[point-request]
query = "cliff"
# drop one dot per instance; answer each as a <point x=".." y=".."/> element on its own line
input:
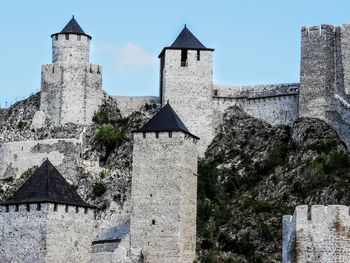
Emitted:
<point x="254" y="173"/>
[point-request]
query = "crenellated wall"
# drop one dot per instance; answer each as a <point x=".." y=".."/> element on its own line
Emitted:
<point x="130" y="104"/>
<point x="45" y="232"/>
<point x="317" y="234"/>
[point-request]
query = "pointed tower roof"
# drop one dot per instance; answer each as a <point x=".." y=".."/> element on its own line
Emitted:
<point x="165" y="120"/>
<point x="186" y="40"/>
<point x="72" y="27"/>
<point x="47" y="185"/>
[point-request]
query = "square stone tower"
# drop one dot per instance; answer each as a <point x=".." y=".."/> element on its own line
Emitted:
<point x="70" y="86"/>
<point x="186" y="80"/>
<point x="164" y="190"/>
<point x="46" y="221"/>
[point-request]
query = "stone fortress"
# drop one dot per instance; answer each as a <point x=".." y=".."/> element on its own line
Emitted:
<point x="164" y="183"/>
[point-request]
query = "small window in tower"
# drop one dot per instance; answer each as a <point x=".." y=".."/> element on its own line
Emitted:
<point x="38" y="207"/>
<point x="153" y="222"/>
<point x="170" y="134"/>
<point x="67" y="207"/>
<point x="198" y="55"/>
<point x="157" y="135"/>
<point x="215" y="92"/>
<point x="28" y="207"/>
<point x="183" y="57"/>
<point x="17" y="208"/>
<point x="55" y="207"/>
<point x="77" y="209"/>
<point x="78" y="37"/>
<point x="85" y="210"/>
<point x="7" y="209"/>
<point x="56" y="37"/>
<point x="144" y="135"/>
<point x="67" y="36"/>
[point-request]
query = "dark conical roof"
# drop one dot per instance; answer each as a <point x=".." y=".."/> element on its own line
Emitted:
<point x="73" y="28"/>
<point x="165" y="120"/>
<point x="187" y="40"/>
<point x="47" y="185"/>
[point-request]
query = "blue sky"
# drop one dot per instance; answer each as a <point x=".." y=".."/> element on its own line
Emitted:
<point x="255" y="41"/>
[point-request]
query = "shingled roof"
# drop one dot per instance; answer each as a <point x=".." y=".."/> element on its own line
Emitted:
<point x="72" y="28"/>
<point x="165" y="120"/>
<point x="47" y="185"/>
<point x="186" y="40"/>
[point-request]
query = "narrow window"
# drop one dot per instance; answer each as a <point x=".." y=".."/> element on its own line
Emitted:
<point x="38" y="207"/>
<point x="67" y="37"/>
<point x="17" y="208"/>
<point x="184" y="58"/>
<point x="76" y="209"/>
<point x="144" y="135"/>
<point x="56" y="37"/>
<point x="85" y="210"/>
<point x="150" y="195"/>
<point x="170" y="134"/>
<point x="55" y="207"/>
<point x="67" y="208"/>
<point x="198" y="55"/>
<point x="153" y="222"/>
<point x="28" y="207"/>
<point x="7" y="209"/>
<point x="157" y="135"/>
<point x="215" y="92"/>
<point x="78" y="37"/>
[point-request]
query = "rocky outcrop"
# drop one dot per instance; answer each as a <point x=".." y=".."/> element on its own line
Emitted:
<point x="254" y="173"/>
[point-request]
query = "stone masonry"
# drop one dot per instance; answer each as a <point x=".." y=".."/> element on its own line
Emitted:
<point x="318" y="235"/>
<point x="164" y="190"/>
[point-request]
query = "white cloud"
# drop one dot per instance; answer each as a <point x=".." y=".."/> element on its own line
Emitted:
<point x="128" y="57"/>
<point x="132" y="56"/>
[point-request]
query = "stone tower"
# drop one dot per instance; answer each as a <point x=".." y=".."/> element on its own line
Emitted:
<point x="324" y="76"/>
<point x="186" y="80"/>
<point x="70" y="86"/>
<point x="46" y="221"/>
<point x="164" y="190"/>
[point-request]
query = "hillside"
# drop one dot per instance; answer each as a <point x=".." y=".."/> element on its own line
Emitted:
<point x="253" y="174"/>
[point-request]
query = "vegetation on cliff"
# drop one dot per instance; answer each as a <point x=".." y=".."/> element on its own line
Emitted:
<point x="253" y="174"/>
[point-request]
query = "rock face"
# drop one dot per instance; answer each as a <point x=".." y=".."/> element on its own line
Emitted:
<point x="254" y="173"/>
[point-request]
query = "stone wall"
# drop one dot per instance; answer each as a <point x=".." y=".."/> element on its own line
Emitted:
<point x="316" y="236"/>
<point x="189" y="91"/>
<point x="23" y="234"/>
<point x="276" y="104"/>
<point x="164" y="189"/>
<point x="46" y="235"/>
<point x="17" y="157"/>
<point x="70" y="234"/>
<point x="129" y="104"/>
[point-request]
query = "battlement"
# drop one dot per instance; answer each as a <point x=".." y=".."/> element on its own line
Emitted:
<point x="56" y="68"/>
<point x="13" y="209"/>
<point x="318" y="30"/>
<point x="319" y="214"/>
<point x="171" y="135"/>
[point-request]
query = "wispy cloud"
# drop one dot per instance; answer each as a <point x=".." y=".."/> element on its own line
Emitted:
<point x="129" y="57"/>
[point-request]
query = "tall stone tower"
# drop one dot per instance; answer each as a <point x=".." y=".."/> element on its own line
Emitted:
<point x="70" y="86"/>
<point x="164" y="190"/>
<point x="186" y="80"/>
<point x="324" y="76"/>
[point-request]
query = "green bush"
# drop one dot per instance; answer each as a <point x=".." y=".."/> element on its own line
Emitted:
<point x="108" y="135"/>
<point x="99" y="188"/>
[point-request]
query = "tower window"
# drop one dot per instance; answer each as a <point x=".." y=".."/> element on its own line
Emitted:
<point x="38" y="207"/>
<point x="7" y="209"/>
<point x="76" y="209"/>
<point x="79" y="37"/>
<point x="56" y="37"/>
<point x="144" y="135"/>
<point x="67" y="207"/>
<point x="153" y="222"/>
<point x="157" y="135"/>
<point x="85" y="210"/>
<point x="183" y="57"/>
<point x="170" y="135"/>
<point x="55" y="207"/>
<point x="198" y="55"/>
<point x="17" y="208"/>
<point x="67" y="37"/>
<point x="28" y="207"/>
